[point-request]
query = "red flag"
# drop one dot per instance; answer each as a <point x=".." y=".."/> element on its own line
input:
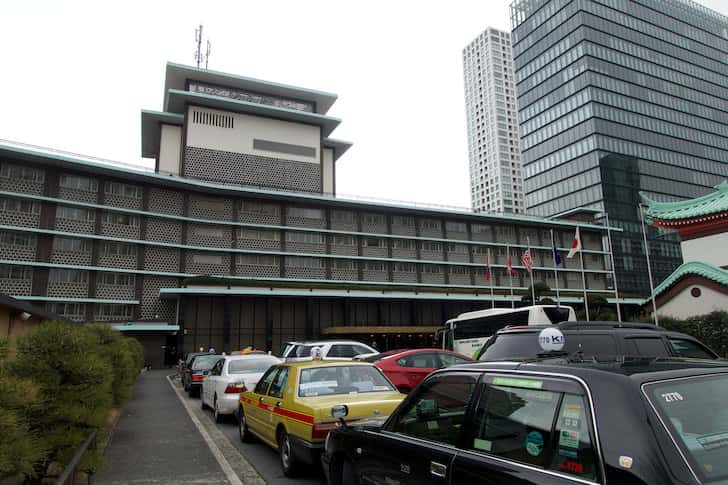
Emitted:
<point x="487" y="267"/>
<point x="527" y="261"/>
<point x="509" y="266"/>
<point x="576" y="245"/>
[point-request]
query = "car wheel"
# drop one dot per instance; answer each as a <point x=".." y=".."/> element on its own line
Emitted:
<point x="348" y="474"/>
<point x="288" y="462"/>
<point x="216" y="411"/>
<point x="245" y="435"/>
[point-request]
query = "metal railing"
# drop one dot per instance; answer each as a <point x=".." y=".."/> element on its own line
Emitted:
<point x="70" y="471"/>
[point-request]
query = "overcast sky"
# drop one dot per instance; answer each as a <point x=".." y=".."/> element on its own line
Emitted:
<point x="76" y="75"/>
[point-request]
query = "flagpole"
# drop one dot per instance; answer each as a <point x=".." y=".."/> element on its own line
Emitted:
<point x="530" y="272"/>
<point x="649" y="267"/>
<point x="583" y="278"/>
<point x="556" y="273"/>
<point x="492" y="279"/>
<point x="509" y="268"/>
<point x="614" y="270"/>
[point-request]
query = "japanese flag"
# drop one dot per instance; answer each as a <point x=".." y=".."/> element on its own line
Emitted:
<point x="576" y="245"/>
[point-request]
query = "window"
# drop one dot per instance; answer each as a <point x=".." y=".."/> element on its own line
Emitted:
<point x="279" y="383"/>
<point x="304" y="237"/>
<point x="72" y="311"/>
<point x="517" y="419"/>
<point x="344" y="240"/>
<point x="56" y="275"/>
<point x="688" y="348"/>
<point x="375" y="266"/>
<point x="344" y="264"/>
<point x="342" y="216"/>
<point x="649" y="347"/>
<point x="206" y="259"/>
<point x="75" y="214"/>
<point x="71" y="244"/>
<point x="431" y="246"/>
<point x="421" y="360"/>
<point x="259" y="208"/>
<point x="16" y="205"/>
<point x="117" y="249"/>
<point x="430" y="224"/>
<point x="119" y="218"/>
<point x="116" y="279"/>
<point x="256" y="259"/>
<point x="9" y="272"/>
<point x="347" y="350"/>
<point x="374" y="219"/>
<point x="305" y="213"/>
<point x="215" y="232"/>
<point x="374" y="242"/>
<point x="18" y="172"/>
<point x="299" y="262"/>
<point x="452" y="226"/>
<point x="437" y="412"/>
<point x="405" y="268"/>
<point x="123" y="190"/>
<point x="256" y="365"/>
<point x="341" y="379"/>
<point x="8" y="238"/>
<point x="403" y="221"/>
<point x="113" y="311"/>
<point x="258" y="234"/>
<point x="262" y="386"/>
<point x="403" y="244"/>
<point x="78" y="183"/>
<point x="446" y="360"/>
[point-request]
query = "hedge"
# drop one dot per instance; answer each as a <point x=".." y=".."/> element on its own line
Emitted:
<point x="711" y="329"/>
<point x="63" y="381"/>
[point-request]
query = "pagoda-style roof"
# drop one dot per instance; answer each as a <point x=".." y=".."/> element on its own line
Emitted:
<point x="694" y="268"/>
<point x="688" y="212"/>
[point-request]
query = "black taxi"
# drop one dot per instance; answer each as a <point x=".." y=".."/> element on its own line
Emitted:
<point x="549" y="421"/>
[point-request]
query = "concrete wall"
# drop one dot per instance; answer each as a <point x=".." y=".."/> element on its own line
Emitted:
<point x="709" y="249"/>
<point x="239" y="138"/>
<point x="170" y="149"/>
<point x="685" y="305"/>
<point x="328" y="171"/>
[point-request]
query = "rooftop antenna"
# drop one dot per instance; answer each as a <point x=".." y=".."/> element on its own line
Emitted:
<point x="199" y="56"/>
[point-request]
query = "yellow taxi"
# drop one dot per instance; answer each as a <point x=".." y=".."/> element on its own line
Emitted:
<point x="290" y="408"/>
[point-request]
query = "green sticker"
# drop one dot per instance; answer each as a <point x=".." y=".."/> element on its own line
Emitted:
<point x="480" y="444"/>
<point x="569" y="438"/>
<point x="515" y="382"/>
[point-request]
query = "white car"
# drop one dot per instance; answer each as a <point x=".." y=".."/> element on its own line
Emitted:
<point x="330" y="350"/>
<point x="222" y="387"/>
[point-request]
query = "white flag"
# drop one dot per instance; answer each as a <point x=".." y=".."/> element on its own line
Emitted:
<point x="576" y="245"/>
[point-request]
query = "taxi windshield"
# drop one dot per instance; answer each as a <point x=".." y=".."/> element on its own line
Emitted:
<point x="341" y="379"/>
<point x="695" y="411"/>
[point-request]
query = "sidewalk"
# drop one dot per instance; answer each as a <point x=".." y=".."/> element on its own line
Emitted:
<point x="156" y="442"/>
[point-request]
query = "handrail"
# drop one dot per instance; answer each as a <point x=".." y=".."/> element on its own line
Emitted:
<point x="70" y="468"/>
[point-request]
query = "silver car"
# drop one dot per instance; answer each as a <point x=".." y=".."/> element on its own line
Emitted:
<point x="229" y="377"/>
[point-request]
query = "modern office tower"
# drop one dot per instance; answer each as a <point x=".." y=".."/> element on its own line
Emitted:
<point x="496" y="183"/>
<point x="235" y="239"/>
<point x="619" y="96"/>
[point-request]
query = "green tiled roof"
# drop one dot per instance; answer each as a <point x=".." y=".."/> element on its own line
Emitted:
<point x="697" y="268"/>
<point x="713" y="203"/>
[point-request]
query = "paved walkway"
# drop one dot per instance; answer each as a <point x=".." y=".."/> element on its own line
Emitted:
<point x="156" y="442"/>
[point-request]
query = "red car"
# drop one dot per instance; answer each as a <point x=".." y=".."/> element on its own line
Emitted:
<point x="407" y="368"/>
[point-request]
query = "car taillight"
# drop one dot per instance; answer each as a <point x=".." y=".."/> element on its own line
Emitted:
<point x="198" y="377"/>
<point x="321" y="430"/>
<point x="235" y="388"/>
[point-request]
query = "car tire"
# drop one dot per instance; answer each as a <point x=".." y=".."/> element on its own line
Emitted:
<point x="245" y="435"/>
<point x="348" y="474"/>
<point x="216" y="412"/>
<point x="289" y="465"/>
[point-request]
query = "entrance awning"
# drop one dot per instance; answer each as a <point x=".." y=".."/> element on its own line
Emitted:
<point x="377" y="330"/>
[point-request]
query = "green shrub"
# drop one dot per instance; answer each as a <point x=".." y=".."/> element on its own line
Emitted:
<point x="711" y="329"/>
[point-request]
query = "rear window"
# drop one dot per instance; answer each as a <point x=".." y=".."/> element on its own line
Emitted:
<point x="694" y="410"/>
<point x="688" y="348"/>
<point x="512" y="346"/>
<point x="343" y="379"/>
<point x="205" y="362"/>
<point x="251" y="366"/>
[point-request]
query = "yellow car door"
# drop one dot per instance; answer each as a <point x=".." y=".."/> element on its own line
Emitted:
<point x="255" y="415"/>
<point x="274" y="403"/>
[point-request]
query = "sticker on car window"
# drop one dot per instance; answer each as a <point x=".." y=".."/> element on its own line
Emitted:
<point x="480" y="444"/>
<point x="568" y="453"/>
<point x="534" y="443"/>
<point x="569" y="438"/>
<point x="309" y="385"/>
<point x="572" y="411"/>
<point x="713" y="441"/>
<point x="672" y="397"/>
<point x="516" y="382"/>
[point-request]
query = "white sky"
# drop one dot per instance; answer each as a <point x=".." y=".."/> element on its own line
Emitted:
<point x="76" y="75"/>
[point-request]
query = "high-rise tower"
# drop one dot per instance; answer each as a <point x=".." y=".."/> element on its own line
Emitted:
<point x="490" y="103"/>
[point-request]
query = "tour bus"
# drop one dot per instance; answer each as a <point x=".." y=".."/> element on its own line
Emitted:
<point x="468" y="332"/>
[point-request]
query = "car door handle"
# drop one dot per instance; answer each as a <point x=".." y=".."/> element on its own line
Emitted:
<point x="279" y="404"/>
<point x="438" y="469"/>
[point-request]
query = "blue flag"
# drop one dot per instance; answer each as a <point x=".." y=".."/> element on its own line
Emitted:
<point x="557" y="258"/>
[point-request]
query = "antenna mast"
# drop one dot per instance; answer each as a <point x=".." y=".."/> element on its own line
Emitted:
<point x="199" y="56"/>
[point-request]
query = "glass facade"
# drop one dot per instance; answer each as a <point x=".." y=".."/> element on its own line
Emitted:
<point x="617" y="97"/>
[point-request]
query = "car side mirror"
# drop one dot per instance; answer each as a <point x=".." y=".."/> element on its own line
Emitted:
<point x="426" y="409"/>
